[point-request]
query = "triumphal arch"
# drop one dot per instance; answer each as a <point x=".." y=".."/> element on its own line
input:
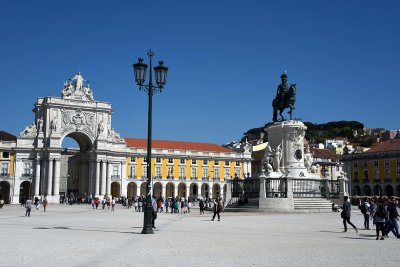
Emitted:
<point x="76" y="114"/>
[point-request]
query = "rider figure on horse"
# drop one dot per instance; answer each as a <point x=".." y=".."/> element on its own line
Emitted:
<point x="283" y="88"/>
<point x="285" y="98"/>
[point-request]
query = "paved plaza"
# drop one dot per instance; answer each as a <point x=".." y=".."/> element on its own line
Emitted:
<point x="81" y="236"/>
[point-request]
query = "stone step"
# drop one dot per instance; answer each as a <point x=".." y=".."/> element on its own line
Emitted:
<point x="312" y="204"/>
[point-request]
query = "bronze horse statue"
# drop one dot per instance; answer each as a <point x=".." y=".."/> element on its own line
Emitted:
<point x="288" y="102"/>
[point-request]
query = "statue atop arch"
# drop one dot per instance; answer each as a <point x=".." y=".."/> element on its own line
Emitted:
<point x="77" y="88"/>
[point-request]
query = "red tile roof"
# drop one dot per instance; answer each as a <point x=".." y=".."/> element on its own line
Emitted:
<point x="389" y="145"/>
<point x="4" y="136"/>
<point x="179" y="145"/>
<point x="319" y="153"/>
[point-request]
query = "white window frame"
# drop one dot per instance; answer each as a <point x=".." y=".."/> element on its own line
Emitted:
<point x="182" y="171"/>
<point x="194" y="172"/>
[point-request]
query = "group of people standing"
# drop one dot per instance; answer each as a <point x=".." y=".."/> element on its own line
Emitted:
<point x="381" y="211"/>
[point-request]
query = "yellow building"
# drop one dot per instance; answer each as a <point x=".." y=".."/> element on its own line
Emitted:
<point x="183" y="169"/>
<point x="376" y="172"/>
<point x="7" y="145"/>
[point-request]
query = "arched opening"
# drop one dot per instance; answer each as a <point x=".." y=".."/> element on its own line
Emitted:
<point x="132" y="189"/>
<point x="182" y="190"/>
<point x="398" y="190"/>
<point x="115" y="189"/>
<point x="193" y="193"/>
<point x="377" y="190"/>
<point x="24" y="191"/>
<point x="357" y="190"/>
<point x="205" y="191"/>
<point x="157" y="190"/>
<point x="216" y="191"/>
<point x="367" y="190"/>
<point x="170" y="190"/>
<point x="5" y="191"/>
<point x="143" y="189"/>
<point x="389" y="190"/>
<point x="75" y="167"/>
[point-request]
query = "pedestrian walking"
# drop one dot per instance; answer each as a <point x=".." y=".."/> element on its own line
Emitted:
<point x="379" y="218"/>
<point x="28" y="207"/>
<point x="392" y="217"/>
<point x="45" y="202"/>
<point x="1" y="203"/>
<point x="346" y="213"/>
<point x="365" y="208"/>
<point x="201" y="206"/>
<point x="217" y="208"/>
<point x="113" y="204"/>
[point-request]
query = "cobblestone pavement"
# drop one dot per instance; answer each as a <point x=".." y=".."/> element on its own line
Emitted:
<point x="81" y="236"/>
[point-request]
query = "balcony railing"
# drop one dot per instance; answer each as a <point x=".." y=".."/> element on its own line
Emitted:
<point x="365" y="180"/>
<point x="3" y="174"/>
<point x="132" y="177"/>
<point x="115" y="177"/>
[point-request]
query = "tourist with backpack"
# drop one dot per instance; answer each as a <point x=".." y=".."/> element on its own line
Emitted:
<point x="392" y="217"/>
<point x="365" y="208"/>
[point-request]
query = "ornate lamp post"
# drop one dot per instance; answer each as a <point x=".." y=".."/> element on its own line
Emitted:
<point x="160" y="73"/>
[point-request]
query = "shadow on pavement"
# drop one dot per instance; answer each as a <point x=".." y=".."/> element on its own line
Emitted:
<point x="80" y="229"/>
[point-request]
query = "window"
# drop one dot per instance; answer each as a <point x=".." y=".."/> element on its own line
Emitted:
<point x="355" y="164"/>
<point x="133" y="159"/>
<point x="182" y="161"/>
<point x="115" y="170"/>
<point x="226" y="162"/>
<point x="144" y="159"/>
<point x="366" y="175"/>
<point x="398" y="162"/>
<point x="205" y="162"/>
<point x="216" y="162"/>
<point x="376" y="174"/>
<point x="337" y="168"/>
<point x="355" y="174"/>
<point x="205" y="172"/>
<point x="216" y="173"/>
<point x="398" y="173"/>
<point x="4" y="168"/>
<point x="387" y="174"/>
<point x="193" y="162"/>
<point x="376" y="163"/>
<point x="387" y="162"/>
<point x="237" y="163"/>
<point x="132" y="171"/>
<point x="182" y="171"/>
<point x="170" y="171"/>
<point x="6" y="155"/>
<point x="170" y="161"/>
<point x="194" y="172"/>
<point x="158" y="171"/>
<point x="158" y="160"/>
<point x="237" y="172"/>
<point x="27" y="169"/>
<point x="365" y="164"/>
<point x="144" y="171"/>
<point x="227" y="173"/>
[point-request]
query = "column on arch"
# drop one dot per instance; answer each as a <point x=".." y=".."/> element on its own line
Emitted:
<point x="199" y="190"/>
<point x="50" y="177"/>
<point x="187" y="190"/>
<point x="108" y="179"/>
<point x="103" y="177"/>
<point x="97" y="181"/>
<point x="176" y="185"/>
<point x="37" y="177"/>
<point x="57" y="171"/>
<point x="164" y="189"/>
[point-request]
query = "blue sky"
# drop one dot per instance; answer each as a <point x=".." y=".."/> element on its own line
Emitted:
<point x="224" y="59"/>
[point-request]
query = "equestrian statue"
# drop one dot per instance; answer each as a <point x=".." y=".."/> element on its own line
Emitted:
<point x="285" y="98"/>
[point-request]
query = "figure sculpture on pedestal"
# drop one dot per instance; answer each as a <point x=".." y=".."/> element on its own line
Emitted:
<point x="285" y="98"/>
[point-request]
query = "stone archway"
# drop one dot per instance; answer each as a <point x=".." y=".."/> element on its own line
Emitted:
<point x="132" y="189"/>
<point x="216" y="191"/>
<point x="388" y="190"/>
<point x="5" y="191"/>
<point x="357" y="190"/>
<point x="367" y="190"/>
<point x="182" y="190"/>
<point x="193" y="192"/>
<point x="225" y="189"/>
<point x="143" y="189"/>
<point x="169" y="190"/>
<point x="157" y="190"/>
<point x="378" y="190"/>
<point x="24" y="191"/>
<point x="115" y="189"/>
<point x="205" y="191"/>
